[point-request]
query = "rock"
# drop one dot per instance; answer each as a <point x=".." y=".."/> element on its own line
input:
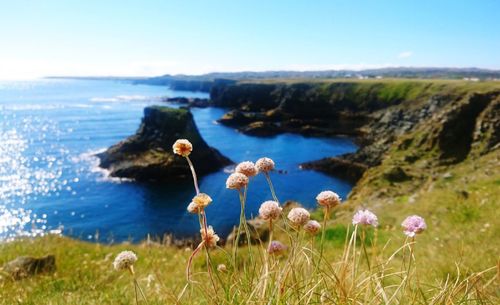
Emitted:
<point x="396" y="174"/>
<point x="260" y="128"/>
<point x="190" y="102"/>
<point x="259" y="232"/>
<point x="148" y="156"/>
<point x="338" y="167"/>
<point x="26" y="266"/>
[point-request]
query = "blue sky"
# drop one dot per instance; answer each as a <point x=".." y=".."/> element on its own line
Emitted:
<point x="156" y="37"/>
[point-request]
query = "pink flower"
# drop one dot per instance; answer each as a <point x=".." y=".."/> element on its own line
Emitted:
<point x="312" y="227"/>
<point x="413" y="225"/>
<point x="236" y="181"/>
<point x="328" y="199"/>
<point x="265" y="165"/>
<point x="276" y="248"/>
<point x="365" y="217"/>
<point x="246" y="168"/>
<point x="270" y="210"/>
<point x="298" y="216"/>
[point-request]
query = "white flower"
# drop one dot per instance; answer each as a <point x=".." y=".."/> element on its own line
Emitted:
<point x="246" y="168"/>
<point x="328" y="199"/>
<point x="270" y="210"/>
<point x="124" y="260"/>
<point x="298" y="216"/>
<point x="236" y="181"/>
<point x="209" y="237"/>
<point x="182" y="147"/>
<point x="264" y="165"/>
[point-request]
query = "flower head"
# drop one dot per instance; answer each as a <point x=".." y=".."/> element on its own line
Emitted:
<point x="202" y="200"/>
<point x="312" y="227"/>
<point x="247" y="168"/>
<point x="209" y="237"/>
<point x="221" y="268"/>
<point x="236" y="181"/>
<point x="125" y="260"/>
<point x="298" y="216"/>
<point x="270" y="210"/>
<point x="413" y="225"/>
<point x="193" y="208"/>
<point x="276" y="248"/>
<point x="365" y="217"/>
<point x="264" y="165"/>
<point x="328" y="199"/>
<point x="182" y="147"/>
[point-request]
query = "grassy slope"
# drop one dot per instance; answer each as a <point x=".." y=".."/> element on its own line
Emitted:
<point x="460" y="209"/>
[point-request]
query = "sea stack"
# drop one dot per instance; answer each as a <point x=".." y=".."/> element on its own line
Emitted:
<point x="148" y="155"/>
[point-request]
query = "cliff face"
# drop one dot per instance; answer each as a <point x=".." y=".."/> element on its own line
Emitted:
<point x="376" y="113"/>
<point x="148" y="156"/>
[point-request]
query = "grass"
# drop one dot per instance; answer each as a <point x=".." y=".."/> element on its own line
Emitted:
<point x="461" y="242"/>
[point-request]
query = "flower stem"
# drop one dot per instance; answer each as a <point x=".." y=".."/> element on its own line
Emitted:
<point x="193" y="172"/>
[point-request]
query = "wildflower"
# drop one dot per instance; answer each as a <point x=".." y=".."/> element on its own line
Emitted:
<point x="247" y="168"/>
<point x="328" y="199"/>
<point x="222" y="268"/>
<point x="202" y="200"/>
<point x="270" y="210"/>
<point x="365" y="217"/>
<point x="264" y="165"/>
<point x="125" y="260"/>
<point x="193" y="208"/>
<point x="312" y="227"/>
<point x="298" y="216"/>
<point x="276" y="248"/>
<point x="182" y="147"/>
<point x="209" y="237"/>
<point x="413" y="225"/>
<point x="236" y="181"/>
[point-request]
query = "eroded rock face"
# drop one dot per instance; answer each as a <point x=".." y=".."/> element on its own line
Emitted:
<point x="26" y="266"/>
<point x="148" y="156"/>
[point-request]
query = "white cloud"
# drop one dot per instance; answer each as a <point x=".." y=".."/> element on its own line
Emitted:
<point x="405" y="54"/>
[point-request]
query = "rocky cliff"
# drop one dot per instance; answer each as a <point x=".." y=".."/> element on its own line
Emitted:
<point x="376" y="113"/>
<point x="148" y="156"/>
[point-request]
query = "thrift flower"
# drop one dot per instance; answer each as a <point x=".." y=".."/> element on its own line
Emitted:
<point x="270" y="210"/>
<point x="182" y="147"/>
<point x="365" y="217"/>
<point x="298" y="216"/>
<point x="247" y="168"/>
<point x="312" y="227"/>
<point x="222" y="268"/>
<point x="328" y="199"/>
<point x="125" y="260"/>
<point x="413" y="225"/>
<point x="193" y="208"/>
<point x="264" y="165"/>
<point x="202" y="200"/>
<point x="210" y="238"/>
<point x="236" y="181"/>
<point x="276" y="248"/>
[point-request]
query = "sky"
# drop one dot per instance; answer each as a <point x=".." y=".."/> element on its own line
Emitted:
<point x="146" y="38"/>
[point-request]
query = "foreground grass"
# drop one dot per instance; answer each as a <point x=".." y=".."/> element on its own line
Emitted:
<point x="456" y="259"/>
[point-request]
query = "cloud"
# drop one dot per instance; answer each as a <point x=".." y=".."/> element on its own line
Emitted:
<point x="405" y="54"/>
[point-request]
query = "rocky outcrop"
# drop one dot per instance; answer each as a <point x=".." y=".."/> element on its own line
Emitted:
<point x="376" y="114"/>
<point x="188" y="102"/>
<point x="148" y="156"/>
<point x="27" y="266"/>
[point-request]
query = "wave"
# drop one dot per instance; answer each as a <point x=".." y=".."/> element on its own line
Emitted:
<point x="90" y="157"/>
<point x="125" y="98"/>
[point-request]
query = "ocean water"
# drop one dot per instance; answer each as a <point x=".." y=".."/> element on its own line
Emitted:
<point x="50" y="181"/>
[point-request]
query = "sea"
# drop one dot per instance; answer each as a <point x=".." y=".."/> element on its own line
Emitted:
<point x="50" y="181"/>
